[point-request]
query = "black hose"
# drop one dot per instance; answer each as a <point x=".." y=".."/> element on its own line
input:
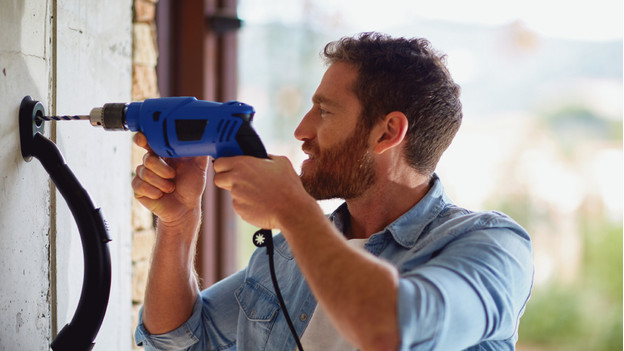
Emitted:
<point x="84" y="326"/>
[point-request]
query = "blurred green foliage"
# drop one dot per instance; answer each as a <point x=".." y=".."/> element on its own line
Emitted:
<point x="574" y="125"/>
<point x="585" y="314"/>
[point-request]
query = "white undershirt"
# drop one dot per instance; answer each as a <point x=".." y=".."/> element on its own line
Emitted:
<point x="320" y="334"/>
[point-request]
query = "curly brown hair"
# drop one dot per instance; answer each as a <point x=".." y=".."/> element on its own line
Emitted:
<point x="406" y="75"/>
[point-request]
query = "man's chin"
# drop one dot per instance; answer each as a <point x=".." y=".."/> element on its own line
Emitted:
<point x="309" y="184"/>
<point x="308" y="171"/>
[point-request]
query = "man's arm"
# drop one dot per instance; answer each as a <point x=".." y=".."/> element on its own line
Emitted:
<point x="172" y="190"/>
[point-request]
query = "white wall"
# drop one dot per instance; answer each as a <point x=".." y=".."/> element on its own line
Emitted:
<point x="83" y="62"/>
<point x="94" y="66"/>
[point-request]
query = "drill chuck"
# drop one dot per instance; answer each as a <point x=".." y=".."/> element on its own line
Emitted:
<point x="110" y="116"/>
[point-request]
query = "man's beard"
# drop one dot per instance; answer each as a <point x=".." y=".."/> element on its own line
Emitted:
<point x="345" y="171"/>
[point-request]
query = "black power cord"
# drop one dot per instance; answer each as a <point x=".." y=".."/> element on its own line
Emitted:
<point x="264" y="238"/>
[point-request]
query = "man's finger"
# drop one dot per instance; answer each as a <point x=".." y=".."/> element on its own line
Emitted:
<point x="144" y="189"/>
<point x="223" y="180"/>
<point x="159" y="166"/>
<point x="141" y="141"/>
<point x="222" y="164"/>
<point x="148" y="176"/>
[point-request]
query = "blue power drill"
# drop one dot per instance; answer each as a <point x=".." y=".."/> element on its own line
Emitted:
<point x="182" y="126"/>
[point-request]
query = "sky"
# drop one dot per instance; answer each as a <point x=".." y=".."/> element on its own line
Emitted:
<point x="587" y="20"/>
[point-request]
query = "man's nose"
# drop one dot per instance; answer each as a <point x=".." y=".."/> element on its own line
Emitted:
<point x="304" y="130"/>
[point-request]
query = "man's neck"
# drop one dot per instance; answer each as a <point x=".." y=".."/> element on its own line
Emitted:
<point x="383" y="204"/>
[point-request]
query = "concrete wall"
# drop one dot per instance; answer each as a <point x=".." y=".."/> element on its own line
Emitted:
<point x="25" y="232"/>
<point x="72" y="55"/>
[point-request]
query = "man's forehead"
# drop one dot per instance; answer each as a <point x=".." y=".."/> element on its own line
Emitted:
<point x="338" y="82"/>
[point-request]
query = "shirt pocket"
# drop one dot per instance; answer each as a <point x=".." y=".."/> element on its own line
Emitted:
<point x="257" y="302"/>
<point x="258" y="311"/>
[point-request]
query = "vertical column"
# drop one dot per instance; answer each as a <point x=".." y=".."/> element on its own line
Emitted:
<point x="144" y="86"/>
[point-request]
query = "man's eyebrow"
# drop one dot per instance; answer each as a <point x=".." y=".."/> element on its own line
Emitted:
<point x="320" y="99"/>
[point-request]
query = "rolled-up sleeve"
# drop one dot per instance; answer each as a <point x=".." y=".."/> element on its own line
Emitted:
<point x="182" y="338"/>
<point x="473" y="289"/>
<point x="211" y="326"/>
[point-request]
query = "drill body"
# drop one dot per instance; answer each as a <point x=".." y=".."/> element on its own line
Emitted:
<point x="185" y="126"/>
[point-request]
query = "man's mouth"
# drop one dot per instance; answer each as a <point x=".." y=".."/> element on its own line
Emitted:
<point x="309" y="150"/>
<point x="311" y="158"/>
<point x="310" y="155"/>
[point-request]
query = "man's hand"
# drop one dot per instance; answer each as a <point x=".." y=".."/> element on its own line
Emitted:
<point x="172" y="187"/>
<point x="264" y="191"/>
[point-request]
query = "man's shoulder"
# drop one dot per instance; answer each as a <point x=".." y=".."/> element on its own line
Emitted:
<point x="455" y="216"/>
<point x="456" y="223"/>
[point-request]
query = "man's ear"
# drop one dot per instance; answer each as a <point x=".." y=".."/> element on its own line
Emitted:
<point x="390" y="132"/>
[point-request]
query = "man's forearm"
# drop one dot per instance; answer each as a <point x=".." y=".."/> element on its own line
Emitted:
<point x="172" y="285"/>
<point x="357" y="290"/>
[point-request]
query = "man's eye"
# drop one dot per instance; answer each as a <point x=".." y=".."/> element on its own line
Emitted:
<point x="324" y="112"/>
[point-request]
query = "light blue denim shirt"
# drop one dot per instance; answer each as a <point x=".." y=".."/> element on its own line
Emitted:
<point x="465" y="278"/>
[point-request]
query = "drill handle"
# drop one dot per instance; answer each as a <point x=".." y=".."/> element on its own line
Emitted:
<point x="249" y="141"/>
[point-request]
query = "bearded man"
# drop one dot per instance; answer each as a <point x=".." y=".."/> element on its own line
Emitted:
<point x="397" y="267"/>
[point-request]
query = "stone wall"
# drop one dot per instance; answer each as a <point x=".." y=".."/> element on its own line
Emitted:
<point x="144" y="85"/>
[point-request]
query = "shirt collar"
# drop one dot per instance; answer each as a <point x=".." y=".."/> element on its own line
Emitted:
<point x="406" y="229"/>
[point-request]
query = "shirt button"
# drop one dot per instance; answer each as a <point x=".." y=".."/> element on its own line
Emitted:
<point x="303" y="317"/>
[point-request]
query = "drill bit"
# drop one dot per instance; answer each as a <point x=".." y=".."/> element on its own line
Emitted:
<point x="62" y="118"/>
